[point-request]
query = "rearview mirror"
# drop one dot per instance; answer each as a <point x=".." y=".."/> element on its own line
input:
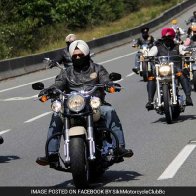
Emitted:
<point x="115" y="76"/>
<point x="38" y="86"/>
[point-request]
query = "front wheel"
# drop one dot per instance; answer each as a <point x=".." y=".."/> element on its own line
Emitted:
<point x="79" y="162"/>
<point x="176" y="112"/>
<point x="167" y="105"/>
<point x="145" y="71"/>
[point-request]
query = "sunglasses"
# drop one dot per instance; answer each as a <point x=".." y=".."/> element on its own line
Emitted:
<point x="77" y="55"/>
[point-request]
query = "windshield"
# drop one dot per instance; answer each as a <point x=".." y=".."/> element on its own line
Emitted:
<point x="168" y="59"/>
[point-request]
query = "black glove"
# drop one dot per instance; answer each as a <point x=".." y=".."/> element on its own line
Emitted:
<point x="43" y="92"/>
<point x="52" y="64"/>
<point x="49" y="92"/>
<point x="116" y="86"/>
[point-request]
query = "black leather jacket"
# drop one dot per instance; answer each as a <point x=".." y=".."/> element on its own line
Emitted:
<point x="64" y="58"/>
<point x="163" y="50"/>
<point x="149" y="41"/>
<point x="70" y="80"/>
<point x="172" y="51"/>
<point x="191" y="19"/>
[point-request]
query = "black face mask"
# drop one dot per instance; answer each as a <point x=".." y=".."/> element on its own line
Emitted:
<point x="82" y="63"/>
<point x="145" y="35"/>
<point x="168" y="41"/>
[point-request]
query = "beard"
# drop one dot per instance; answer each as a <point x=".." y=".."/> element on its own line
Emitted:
<point x="169" y="42"/>
<point x="81" y="64"/>
<point x="145" y="36"/>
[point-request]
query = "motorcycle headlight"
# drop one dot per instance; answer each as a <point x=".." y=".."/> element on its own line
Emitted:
<point x="76" y="103"/>
<point x="95" y="102"/>
<point x="165" y="70"/>
<point x="56" y="106"/>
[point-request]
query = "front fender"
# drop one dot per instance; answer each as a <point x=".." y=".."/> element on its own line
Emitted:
<point x="77" y="130"/>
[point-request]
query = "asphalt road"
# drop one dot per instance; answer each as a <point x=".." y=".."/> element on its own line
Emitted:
<point x="163" y="154"/>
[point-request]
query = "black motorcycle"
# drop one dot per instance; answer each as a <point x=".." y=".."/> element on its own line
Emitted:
<point x="89" y="147"/>
<point x="189" y="64"/>
<point x="168" y="100"/>
<point x="145" y="67"/>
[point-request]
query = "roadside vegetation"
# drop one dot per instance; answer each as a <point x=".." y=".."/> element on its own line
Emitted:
<point x="34" y="26"/>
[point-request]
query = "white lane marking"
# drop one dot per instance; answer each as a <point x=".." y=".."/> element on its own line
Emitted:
<point x="118" y="80"/>
<point x="35" y="96"/>
<point x="131" y="74"/>
<point x="119" y="57"/>
<point x="19" y="98"/>
<point x="22" y="85"/>
<point x="174" y="166"/>
<point x="4" y="131"/>
<point x="37" y="117"/>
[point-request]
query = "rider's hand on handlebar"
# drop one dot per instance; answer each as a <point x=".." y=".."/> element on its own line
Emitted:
<point x="188" y="53"/>
<point x="43" y="92"/>
<point x="43" y="95"/>
<point x="112" y="87"/>
<point x="134" y="45"/>
<point x="52" y="64"/>
<point x="47" y="93"/>
<point x="149" y="58"/>
<point x="117" y="87"/>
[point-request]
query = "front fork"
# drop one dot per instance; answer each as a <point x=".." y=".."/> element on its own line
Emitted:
<point x="173" y="86"/>
<point x="67" y="139"/>
<point x="158" y="85"/>
<point x="191" y="71"/>
<point x="90" y="137"/>
<point x="91" y="142"/>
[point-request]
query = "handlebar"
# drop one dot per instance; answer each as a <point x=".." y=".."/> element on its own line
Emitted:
<point x="48" y="61"/>
<point x="55" y="90"/>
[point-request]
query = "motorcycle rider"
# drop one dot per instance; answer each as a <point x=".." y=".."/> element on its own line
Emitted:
<point x="190" y="41"/>
<point x="64" y="56"/>
<point x="162" y="47"/>
<point x="190" y="20"/>
<point x="179" y="31"/>
<point x="144" y="39"/>
<point x="82" y="73"/>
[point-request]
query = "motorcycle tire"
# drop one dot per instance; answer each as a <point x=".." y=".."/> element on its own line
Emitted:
<point x="145" y="71"/>
<point x="167" y="106"/>
<point x="79" y="162"/>
<point x="1" y="140"/>
<point x="176" y="112"/>
<point x="194" y="80"/>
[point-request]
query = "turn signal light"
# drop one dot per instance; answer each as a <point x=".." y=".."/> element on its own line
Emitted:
<point x="111" y="90"/>
<point x="151" y="78"/>
<point x="44" y="98"/>
<point x="179" y="74"/>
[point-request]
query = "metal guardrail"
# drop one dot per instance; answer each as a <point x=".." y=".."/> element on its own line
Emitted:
<point x="27" y="64"/>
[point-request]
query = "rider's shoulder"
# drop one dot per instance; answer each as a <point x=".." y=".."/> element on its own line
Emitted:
<point x="158" y="42"/>
<point x="150" y="37"/>
<point x="96" y="66"/>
